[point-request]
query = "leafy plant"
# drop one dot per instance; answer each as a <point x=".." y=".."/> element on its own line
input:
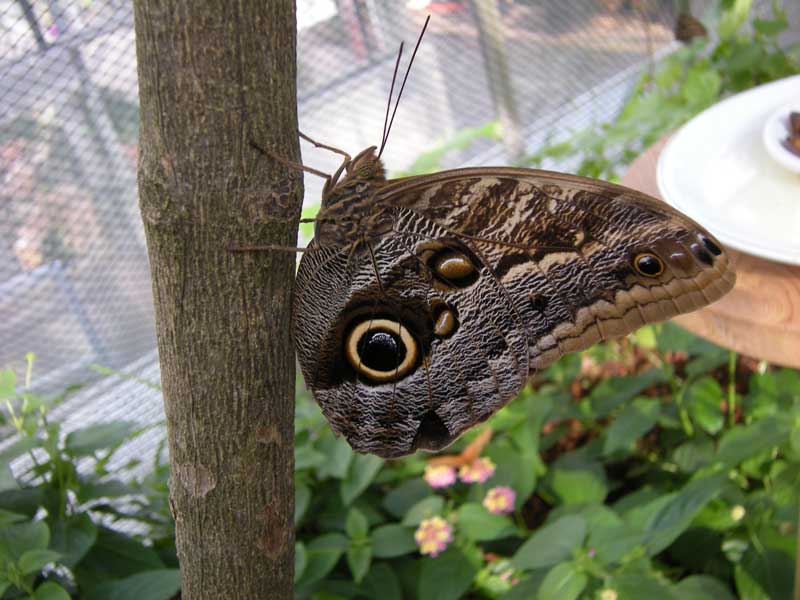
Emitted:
<point x="56" y="511"/>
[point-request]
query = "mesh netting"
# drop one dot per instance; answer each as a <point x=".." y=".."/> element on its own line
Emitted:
<point x="74" y="281"/>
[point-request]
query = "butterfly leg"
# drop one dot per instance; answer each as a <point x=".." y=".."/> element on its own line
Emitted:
<point x="325" y="146"/>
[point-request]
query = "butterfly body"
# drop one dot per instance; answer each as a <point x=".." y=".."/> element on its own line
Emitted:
<point x="425" y="303"/>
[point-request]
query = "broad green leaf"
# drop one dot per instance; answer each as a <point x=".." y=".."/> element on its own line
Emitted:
<point x="161" y="584"/>
<point x="406" y="495"/>
<point x="445" y="577"/>
<point x="322" y="554"/>
<point x="101" y="436"/>
<point x="743" y="441"/>
<point x="707" y="361"/>
<point x="636" y="586"/>
<point x="358" y="559"/>
<point x="338" y="457"/>
<point x="733" y="17"/>
<point x="50" y="590"/>
<point x="563" y="582"/>
<point x="478" y="524"/>
<point x="424" y="509"/>
<point x="302" y="498"/>
<point x="363" y="469"/>
<point x="382" y="582"/>
<point x="113" y="488"/>
<point x="552" y="543"/>
<point x="674" y="515"/>
<point x="305" y="457"/>
<point x="702" y="587"/>
<point x="7" y="480"/>
<point x="25" y="501"/>
<point x="300" y="560"/>
<point x="612" y="392"/>
<point x="703" y="399"/>
<point x="576" y="480"/>
<point x="694" y="454"/>
<point x="32" y="561"/>
<point x="392" y="540"/>
<point x="702" y="86"/>
<point x="634" y="421"/>
<point x="747" y="586"/>
<point x="8" y="384"/>
<point x="115" y="555"/>
<point x="356" y="524"/>
<point x="772" y="570"/>
<point x="73" y="537"/>
<point x="8" y="517"/>
<point x="19" y="538"/>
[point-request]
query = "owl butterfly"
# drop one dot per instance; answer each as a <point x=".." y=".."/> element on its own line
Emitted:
<point x="424" y="303"/>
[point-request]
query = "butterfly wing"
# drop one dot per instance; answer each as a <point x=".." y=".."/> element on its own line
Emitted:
<point x="485" y="276"/>
<point x="565" y="249"/>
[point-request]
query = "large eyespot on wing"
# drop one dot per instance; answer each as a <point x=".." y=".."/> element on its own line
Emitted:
<point x="406" y="364"/>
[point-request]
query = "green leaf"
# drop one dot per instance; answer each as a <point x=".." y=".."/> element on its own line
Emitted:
<point x="358" y="559"/>
<point x="562" y="582"/>
<point x="744" y="441"/>
<point x="25" y="501"/>
<point x="747" y="586"/>
<point x="8" y="384"/>
<point x="576" y="480"/>
<point x="552" y="543"/>
<point x="322" y="555"/>
<point x="633" y="422"/>
<point x="772" y="570"/>
<point x="19" y="538"/>
<point x="101" y="436"/>
<point x="407" y="494"/>
<point x="635" y="586"/>
<point x="338" y="455"/>
<point x="363" y="469"/>
<point x="702" y="86"/>
<point x="8" y="517"/>
<point x="115" y="555"/>
<point x="675" y="514"/>
<point x="694" y="454"/>
<point x="382" y="582"/>
<point x="7" y="480"/>
<point x="161" y="584"/>
<point x="302" y="498"/>
<point x="392" y="540"/>
<point x="356" y="524"/>
<point x="478" y="524"/>
<point x="33" y="560"/>
<point x="305" y="457"/>
<point x="113" y="488"/>
<point x="703" y="399"/>
<point x="300" y="560"/>
<point x="73" y="537"/>
<point x="424" y="509"/>
<point x="702" y="587"/>
<point x="612" y="392"/>
<point x="733" y="18"/>
<point x="445" y="577"/>
<point x="50" y="590"/>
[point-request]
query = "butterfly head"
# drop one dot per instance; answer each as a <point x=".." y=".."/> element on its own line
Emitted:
<point x="347" y="202"/>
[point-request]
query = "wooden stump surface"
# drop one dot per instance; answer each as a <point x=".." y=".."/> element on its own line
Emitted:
<point x="760" y="317"/>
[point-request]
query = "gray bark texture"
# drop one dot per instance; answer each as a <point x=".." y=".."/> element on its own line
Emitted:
<point x="212" y="77"/>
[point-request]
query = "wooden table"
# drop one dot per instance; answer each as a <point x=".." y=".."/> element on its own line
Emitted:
<point x="760" y="317"/>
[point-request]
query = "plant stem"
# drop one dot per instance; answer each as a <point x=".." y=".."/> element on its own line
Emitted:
<point x="731" y="388"/>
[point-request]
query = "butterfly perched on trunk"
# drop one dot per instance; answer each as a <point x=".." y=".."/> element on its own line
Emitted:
<point x="423" y="304"/>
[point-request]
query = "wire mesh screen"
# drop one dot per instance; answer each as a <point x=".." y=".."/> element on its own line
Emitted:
<point x="74" y="281"/>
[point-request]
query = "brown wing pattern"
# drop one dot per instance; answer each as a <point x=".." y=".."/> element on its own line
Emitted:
<point x="426" y="328"/>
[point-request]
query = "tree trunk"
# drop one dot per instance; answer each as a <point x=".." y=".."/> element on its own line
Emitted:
<point x="212" y="77"/>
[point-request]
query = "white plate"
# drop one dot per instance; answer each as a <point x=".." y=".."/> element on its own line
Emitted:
<point x="774" y="134"/>
<point x="717" y="171"/>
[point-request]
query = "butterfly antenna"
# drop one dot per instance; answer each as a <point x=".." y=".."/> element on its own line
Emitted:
<point x="402" y="86"/>
<point x="391" y="93"/>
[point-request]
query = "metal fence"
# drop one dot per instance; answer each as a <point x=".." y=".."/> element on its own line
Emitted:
<point x="74" y="281"/>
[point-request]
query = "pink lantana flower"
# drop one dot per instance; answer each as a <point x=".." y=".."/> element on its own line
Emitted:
<point x="477" y="472"/>
<point x="439" y="476"/>
<point x="500" y="500"/>
<point x="433" y="535"/>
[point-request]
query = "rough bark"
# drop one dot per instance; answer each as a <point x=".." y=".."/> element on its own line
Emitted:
<point x="212" y="77"/>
